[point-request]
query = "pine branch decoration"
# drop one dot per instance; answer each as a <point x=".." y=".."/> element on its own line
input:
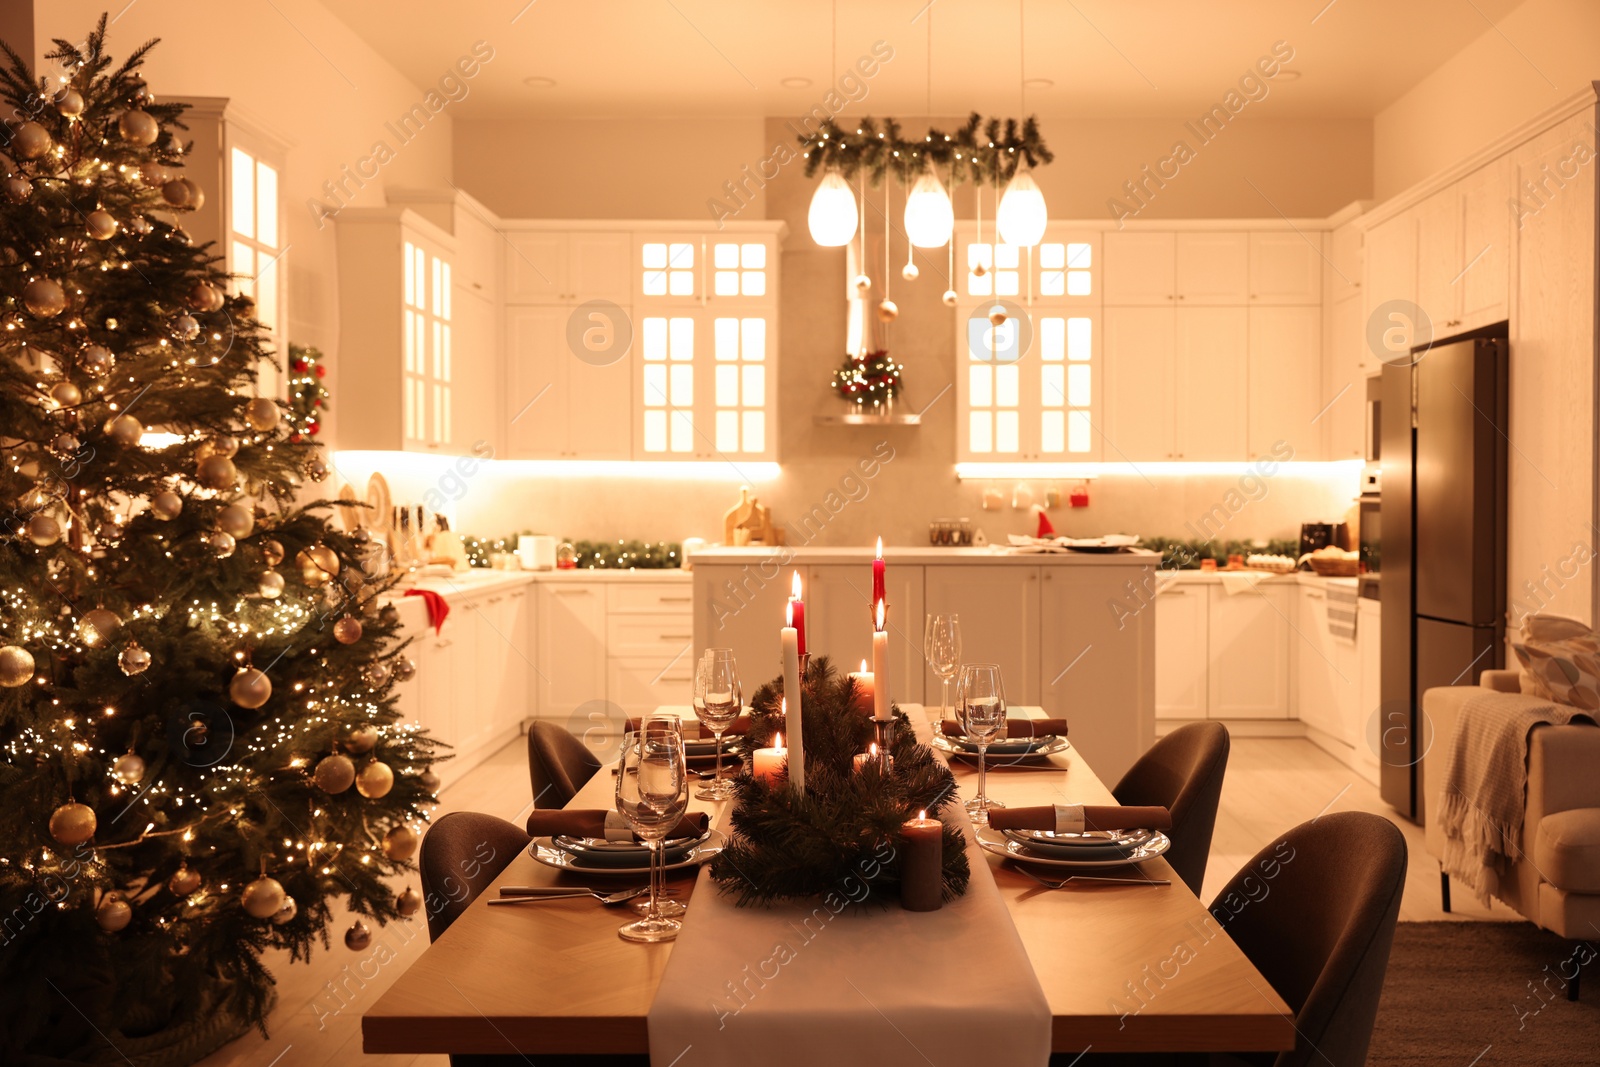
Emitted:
<point x="987" y="152"/>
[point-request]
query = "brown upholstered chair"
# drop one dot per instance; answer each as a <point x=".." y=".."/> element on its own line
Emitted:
<point x="558" y="765"/>
<point x="1183" y="772"/>
<point x="461" y="854"/>
<point x="1315" y="911"/>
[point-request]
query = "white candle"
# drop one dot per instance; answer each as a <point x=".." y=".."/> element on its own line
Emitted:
<point x="791" y="708"/>
<point x="880" y="668"/>
<point x="863" y="698"/>
<point x="767" y="763"/>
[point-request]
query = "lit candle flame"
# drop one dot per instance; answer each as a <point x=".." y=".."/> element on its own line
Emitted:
<point x="863" y="666"/>
<point x="796" y="586"/>
<point x="777" y="741"/>
<point x="923" y="814"/>
<point x="872" y="750"/>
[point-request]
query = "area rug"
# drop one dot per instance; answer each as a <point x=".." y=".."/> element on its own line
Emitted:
<point x="1483" y="993"/>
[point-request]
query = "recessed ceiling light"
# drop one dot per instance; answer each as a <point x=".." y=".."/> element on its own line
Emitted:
<point x="1039" y="83"/>
<point x="1288" y="75"/>
<point x="537" y="82"/>
<point x="796" y="83"/>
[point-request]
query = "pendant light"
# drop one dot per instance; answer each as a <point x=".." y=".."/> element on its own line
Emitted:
<point x="929" y="217"/>
<point x="833" y="217"/>
<point x="1021" y="218"/>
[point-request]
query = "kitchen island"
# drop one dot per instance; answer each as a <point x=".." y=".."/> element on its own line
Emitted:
<point x="1073" y="632"/>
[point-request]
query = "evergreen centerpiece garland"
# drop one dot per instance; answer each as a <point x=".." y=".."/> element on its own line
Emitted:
<point x="983" y="151"/>
<point x="847" y="824"/>
<point x="874" y="378"/>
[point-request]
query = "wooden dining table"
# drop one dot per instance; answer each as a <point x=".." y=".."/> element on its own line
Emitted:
<point x="1124" y="968"/>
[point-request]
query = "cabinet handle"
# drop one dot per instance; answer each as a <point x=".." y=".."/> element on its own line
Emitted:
<point x="1174" y="592"/>
<point x="1313" y="594"/>
<point x="496" y="599"/>
<point x="675" y="599"/>
<point x="677" y="637"/>
<point x="570" y="592"/>
<point x="520" y="593"/>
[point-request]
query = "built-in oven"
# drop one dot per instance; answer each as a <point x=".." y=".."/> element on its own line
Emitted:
<point x="1370" y="536"/>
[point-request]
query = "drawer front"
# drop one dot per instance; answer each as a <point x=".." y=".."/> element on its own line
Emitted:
<point x="638" y="686"/>
<point x="659" y="638"/>
<point x="651" y="598"/>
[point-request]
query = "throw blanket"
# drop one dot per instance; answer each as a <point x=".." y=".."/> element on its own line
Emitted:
<point x="1485" y="785"/>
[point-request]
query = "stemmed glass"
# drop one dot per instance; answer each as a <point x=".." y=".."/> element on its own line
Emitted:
<point x="652" y="793"/>
<point x="981" y="703"/>
<point x="717" y="702"/>
<point x="941" y="646"/>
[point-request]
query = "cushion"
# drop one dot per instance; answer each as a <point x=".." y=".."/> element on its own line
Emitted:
<point x="1560" y="661"/>
<point x="1566" y="849"/>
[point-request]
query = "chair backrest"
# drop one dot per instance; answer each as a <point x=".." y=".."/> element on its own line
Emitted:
<point x="1183" y="773"/>
<point x="1315" y="911"/>
<point x="461" y="854"/>
<point x="558" y="765"/>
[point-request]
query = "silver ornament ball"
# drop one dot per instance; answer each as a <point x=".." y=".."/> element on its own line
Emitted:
<point x="128" y="768"/>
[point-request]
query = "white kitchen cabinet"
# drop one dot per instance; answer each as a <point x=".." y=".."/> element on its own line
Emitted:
<point x="439" y="684"/>
<point x="839" y="619"/>
<point x="650" y="653"/>
<point x="1342" y="274"/>
<point x="1464" y="252"/>
<point x="1389" y="272"/>
<point x="548" y="266"/>
<point x="476" y="344"/>
<point x="1042" y="404"/>
<point x="1249" y="654"/>
<point x="571" y="661"/>
<point x="1286" y="267"/>
<point x="1140" y="269"/>
<point x="1212" y="268"/>
<point x="1000" y="622"/>
<point x="1210" y="356"/>
<point x="705" y="383"/>
<point x="1285" y="381"/>
<point x="1316" y="693"/>
<point x="1347" y="362"/>
<point x="742" y="607"/>
<point x="1140" y="414"/>
<point x="557" y="405"/>
<point x="1182" y="638"/>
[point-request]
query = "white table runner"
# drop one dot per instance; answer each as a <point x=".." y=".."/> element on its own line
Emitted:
<point x="825" y="981"/>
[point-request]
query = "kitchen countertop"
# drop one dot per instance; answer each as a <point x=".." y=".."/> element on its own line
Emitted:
<point x="785" y="555"/>
<point x="1198" y="577"/>
<point x="485" y="579"/>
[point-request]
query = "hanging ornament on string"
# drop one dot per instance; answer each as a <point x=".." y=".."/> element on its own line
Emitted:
<point x="113" y="913"/>
<point x="128" y="768"/>
<point x="18" y="189"/>
<point x="263" y="897"/>
<point x="261" y="414"/>
<point x="334" y="774"/>
<point x="400" y="843"/>
<point x="43" y="530"/>
<point x="888" y="310"/>
<point x="271" y="552"/>
<point x="44" y="298"/>
<point x="250" y="688"/>
<point x="347" y="631"/>
<point x="97" y="360"/>
<point x="183" y="881"/>
<point x="358" y="937"/>
<point x="286" y="913"/>
<point x="73" y="823"/>
<point x="375" y="780"/>
<point x="125" y="430"/>
<point x="166" y="505"/>
<point x="429" y="781"/>
<point x="16" y="666"/>
<point x="318" y="565"/>
<point x="376" y="674"/>
<point x="270" y="584"/>
<point x="361" y="739"/>
<point x="222" y="544"/>
<point x="98" y="626"/>
<point x="133" y="659"/>
<point x="69" y="102"/>
<point x="30" y="141"/>
<point x="405" y="669"/>
<point x="409" y="902"/>
<point x="237" y="521"/>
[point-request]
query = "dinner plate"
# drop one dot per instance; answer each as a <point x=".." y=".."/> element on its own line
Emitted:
<point x="1094" y="845"/>
<point x="1047" y="745"/>
<point x="379" y="500"/>
<point x="598" y="852"/>
<point x="707" y="746"/>
<point x="543" y="850"/>
<point x="997" y="842"/>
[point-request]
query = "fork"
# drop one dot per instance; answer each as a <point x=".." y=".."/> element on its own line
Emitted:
<point x="1062" y="884"/>
<point x="531" y="894"/>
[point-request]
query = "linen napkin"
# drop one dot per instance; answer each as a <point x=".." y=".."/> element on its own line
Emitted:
<point x="1077" y="818"/>
<point x="693" y="731"/>
<point x="610" y="825"/>
<point x="438" y="607"/>
<point x="1015" y="728"/>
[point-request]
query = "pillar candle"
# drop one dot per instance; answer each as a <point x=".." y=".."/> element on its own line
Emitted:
<point x="880" y="669"/>
<point x="862" y="700"/>
<point x="799" y="615"/>
<point x="922" y="864"/>
<point x="877" y="574"/>
<point x="862" y="759"/>
<point x="792" y="701"/>
<point x="767" y="763"/>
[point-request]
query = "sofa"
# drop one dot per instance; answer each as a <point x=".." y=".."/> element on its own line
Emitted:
<point x="1555" y="882"/>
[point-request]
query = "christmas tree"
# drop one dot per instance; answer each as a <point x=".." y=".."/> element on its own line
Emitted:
<point x="201" y="747"/>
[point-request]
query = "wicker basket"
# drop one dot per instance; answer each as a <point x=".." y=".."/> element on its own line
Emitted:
<point x="1335" y="568"/>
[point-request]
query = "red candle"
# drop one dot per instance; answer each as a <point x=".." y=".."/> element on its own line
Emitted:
<point x="877" y="575"/>
<point x="798" y="619"/>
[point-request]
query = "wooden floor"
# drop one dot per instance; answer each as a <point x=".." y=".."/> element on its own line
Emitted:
<point x="1271" y="785"/>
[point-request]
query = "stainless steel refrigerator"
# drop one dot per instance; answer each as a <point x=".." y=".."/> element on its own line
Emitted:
<point x="1443" y="508"/>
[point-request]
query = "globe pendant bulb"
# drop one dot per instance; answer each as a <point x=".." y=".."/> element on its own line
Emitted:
<point x="1022" y="217"/>
<point x="832" y="217"/>
<point x="929" y="216"/>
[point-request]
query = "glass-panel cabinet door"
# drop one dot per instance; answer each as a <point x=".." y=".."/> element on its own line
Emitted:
<point x="704" y="269"/>
<point x="426" y="347"/>
<point x="705" y="386"/>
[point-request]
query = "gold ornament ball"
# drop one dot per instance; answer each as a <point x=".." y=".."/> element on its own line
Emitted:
<point x="102" y="225"/>
<point x="66" y="395"/>
<point x="271" y="553"/>
<point x="318" y="564"/>
<point x="186" y="328"/>
<point x="197" y="195"/>
<point x="237" y="520"/>
<point x="156" y="175"/>
<point x="286" y="913"/>
<point x="428" y="780"/>
<point x="217" y="472"/>
<point x="176" y="192"/>
<point x="138" y="127"/>
<point x="16" y="666"/>
<point x="262" y="414"/>
<point x="997" y="317"/>
<point x="43" y="530"/>
<point x="270" y="585"/>
<point x="134" y="660"/>
<point x="18" y="188"/>
<point x="30" y="141"/>
<point x="203" y="296"/>
<point x="910" y="272"/>
<point x="222" y="544"/>
<point x="362" y="739"/>
<point x="358" y="937"/>
<point x="375" y="780"/>
<point x="69" y="102"/>
<point x="166" y="505"/>
<point x="888" y="311"/>
<point x="66" y="443"/>
<point x="222" y="445"/>
<point x="863" y="282"/>
<point x="334" y="774"/>
<point x="97" y="360"/>
<point x="316" y="467"/>
<point x="409" y="902"/>
<point x="98" y="626"/>
<point x="347" y="631"/>
<point x="128" y="768"/>
<point x="72" y="823"/>
<point x="250" y="688"/>
<point x="113" y="913"/>
<point x="405" y="669"/>
<point x="263" y="897"/>
<point x="183" y="882"/>
<point x="376" y="674"/>
<point x="44" y="298"/>
<point x="125" y="430"/>
<point x="400" y="844"/>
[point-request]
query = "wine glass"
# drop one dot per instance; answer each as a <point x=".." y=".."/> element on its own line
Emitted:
<point x="981" y="703"/>
<point x="652" y="793"/>
<point x="717" y="702"/>
<point x="941" y="646"/>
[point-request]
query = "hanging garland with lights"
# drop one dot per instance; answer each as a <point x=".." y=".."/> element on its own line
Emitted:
<point x="308" y="397"/>
<point x="983" y="151"/>
<point x="872" y="379"/>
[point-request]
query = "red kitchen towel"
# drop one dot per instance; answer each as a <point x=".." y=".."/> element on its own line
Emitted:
<point x="438" y="608"/>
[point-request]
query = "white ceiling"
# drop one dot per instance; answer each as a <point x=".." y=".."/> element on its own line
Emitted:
<point x="1106" y="58"/>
